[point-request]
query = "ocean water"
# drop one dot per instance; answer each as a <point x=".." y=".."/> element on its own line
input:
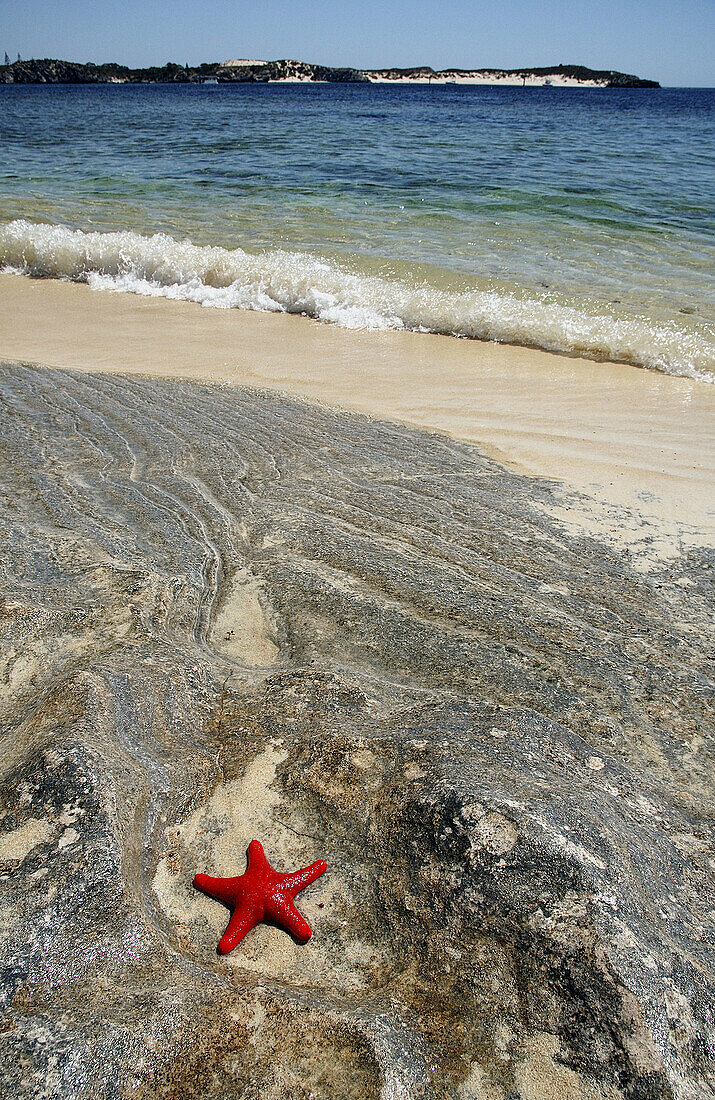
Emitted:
<point x="577" y="220"/>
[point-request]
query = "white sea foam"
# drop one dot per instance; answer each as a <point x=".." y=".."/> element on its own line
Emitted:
<point x="294" y="282"/>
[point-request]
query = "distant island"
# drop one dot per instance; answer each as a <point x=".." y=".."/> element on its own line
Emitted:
<point x="245" y="71"/>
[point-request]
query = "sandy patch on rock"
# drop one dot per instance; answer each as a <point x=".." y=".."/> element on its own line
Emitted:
<point x="16" y="846"/>
<point x="540" y="1076"/>
<point x="241" y="630"/>
<point x="214" y="839"/>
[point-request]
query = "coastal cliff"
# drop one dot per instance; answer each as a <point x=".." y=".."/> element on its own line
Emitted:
<point x="51" y="71"/>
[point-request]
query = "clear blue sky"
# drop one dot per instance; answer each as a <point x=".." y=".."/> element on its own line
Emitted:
<point x="668" y="40"/>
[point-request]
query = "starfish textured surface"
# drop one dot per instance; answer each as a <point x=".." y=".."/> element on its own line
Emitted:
<point x="261" y="894"/>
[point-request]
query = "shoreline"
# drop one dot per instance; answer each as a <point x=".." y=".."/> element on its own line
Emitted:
<point x="491" y="81"/>
<point x="636" y="442"/>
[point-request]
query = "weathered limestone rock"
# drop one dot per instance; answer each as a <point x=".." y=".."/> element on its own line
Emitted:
<point x="227" y="615"/>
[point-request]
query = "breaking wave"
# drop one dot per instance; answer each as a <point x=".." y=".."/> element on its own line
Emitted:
<point x="296" y="282"/>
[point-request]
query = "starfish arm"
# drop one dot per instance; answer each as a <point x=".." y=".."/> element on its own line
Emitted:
<point x="281" y="909"/>
<point x="244" y="917"/>
<point x="222" y="889"/>
<point x="257" y="861"/>
<point x="298" y="880"/>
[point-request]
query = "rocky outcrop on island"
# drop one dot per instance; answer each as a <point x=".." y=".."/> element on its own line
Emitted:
<point x="228" y="615"/>
<point x="289" y="71"/>
<point x="66" y="72"/>
<point x="50" y="71"/>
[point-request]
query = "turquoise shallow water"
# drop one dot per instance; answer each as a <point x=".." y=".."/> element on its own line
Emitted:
<point x="573" y="219"/>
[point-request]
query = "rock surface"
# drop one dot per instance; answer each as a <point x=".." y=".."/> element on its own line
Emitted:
<point x="227" y="615"/>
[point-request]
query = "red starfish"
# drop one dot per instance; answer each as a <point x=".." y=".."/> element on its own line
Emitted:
<point x="262" y="894"/>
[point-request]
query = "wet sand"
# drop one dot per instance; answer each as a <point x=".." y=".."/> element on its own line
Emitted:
<point x="639" y="444"/>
